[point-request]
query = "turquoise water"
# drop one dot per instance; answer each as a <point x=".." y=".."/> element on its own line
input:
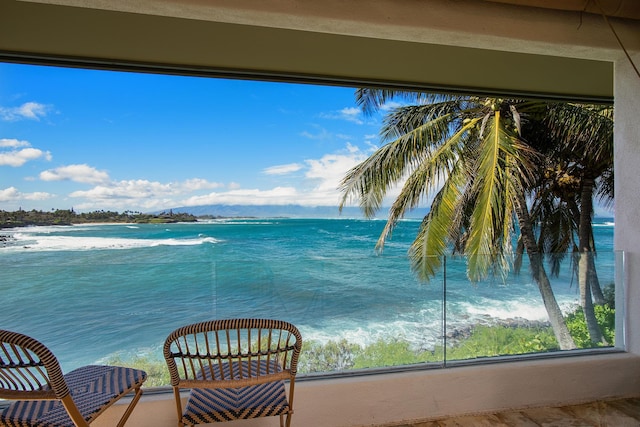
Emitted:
<point x="93" y="291"/>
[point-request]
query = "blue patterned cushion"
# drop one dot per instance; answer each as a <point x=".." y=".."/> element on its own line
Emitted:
<point x="93" y="388"/>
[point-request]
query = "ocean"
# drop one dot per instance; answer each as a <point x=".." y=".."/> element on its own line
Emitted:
<point x="92" y="292"/>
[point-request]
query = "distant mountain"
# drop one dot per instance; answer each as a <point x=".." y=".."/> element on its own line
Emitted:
<point x="274" y="211"/>
<point x="270" y="211"/>
<point x="298" y="211"/>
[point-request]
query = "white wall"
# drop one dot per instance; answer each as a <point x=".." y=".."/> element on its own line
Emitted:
<point x="384" y="399"/>
<point x="627" y="186"/>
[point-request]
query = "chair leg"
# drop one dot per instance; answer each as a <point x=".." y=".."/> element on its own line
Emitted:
<point x="176" y="395"/>
<point x="130" y="408"/>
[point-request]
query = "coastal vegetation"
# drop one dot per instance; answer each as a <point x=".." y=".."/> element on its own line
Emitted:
<point x="480" y="341"/>
<point x="22" y="218"/>
<point x="502" y="338"/>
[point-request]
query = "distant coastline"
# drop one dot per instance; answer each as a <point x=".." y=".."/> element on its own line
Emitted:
<point x="23" y="218"/>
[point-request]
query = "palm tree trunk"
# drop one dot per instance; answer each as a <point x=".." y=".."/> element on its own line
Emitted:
<point x="560" y="329"/>
<point x="596" y="289"/>
<point x="585" y="228"/>
<point x="586" y="266"/>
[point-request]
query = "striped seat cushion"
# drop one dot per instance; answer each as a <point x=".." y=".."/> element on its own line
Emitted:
<point x="93" y="388"/>
<point x="226" y="404"/>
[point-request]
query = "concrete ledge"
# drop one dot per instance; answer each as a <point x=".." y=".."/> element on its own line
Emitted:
<point x="410" y="396"/>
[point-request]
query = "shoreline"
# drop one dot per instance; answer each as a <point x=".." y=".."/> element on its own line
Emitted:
<point x="18" y="219"/>
<point x="464" y="332"/>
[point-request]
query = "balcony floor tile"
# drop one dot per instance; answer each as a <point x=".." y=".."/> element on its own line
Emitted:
<point x="613" y="413"/>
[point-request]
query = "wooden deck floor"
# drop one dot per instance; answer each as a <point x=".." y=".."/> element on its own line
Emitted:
<point x="614" y="413"/>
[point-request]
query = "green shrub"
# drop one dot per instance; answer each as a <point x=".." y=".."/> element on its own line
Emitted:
<point x="606" y="318"/>
<point x="332" y="356"/>
<point x="609" y="293"/>
<point x="157" y="371"/>
<point x="490" y="341"/>
<point x="395" y="352"/>
<point x="483" y="341"/>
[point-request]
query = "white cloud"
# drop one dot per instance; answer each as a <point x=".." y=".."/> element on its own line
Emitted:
<point x="318" y="187"/>
<point x="137" y="194"/>
<point x="352" y="114"/>
<point x="275" y="196"/>
<point x="78" y="173"/>
<point x="12" y="194"/>
<point x="317" y="184"/>
<point x="9" y="194"/>
<point x="199" y="184"/>
<point x="137" y="189"/>
<point x="328" y="171"/>
<point x="321" y="134"/>
<point x="352" y="148"/>
<point x="391" y="105"/>
<point x="16" y="158"/>
<point x="282" y="169"/>
<point x="349" y="114"/>
<point x="28" y="110"/>
<point x="13" y="143"/>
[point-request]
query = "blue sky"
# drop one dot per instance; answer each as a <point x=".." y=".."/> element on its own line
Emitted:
<point x="92" y="140"/>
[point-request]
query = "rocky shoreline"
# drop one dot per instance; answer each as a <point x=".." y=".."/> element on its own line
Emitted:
<point x="462" y="333"/>
<point x="6" y="240"/>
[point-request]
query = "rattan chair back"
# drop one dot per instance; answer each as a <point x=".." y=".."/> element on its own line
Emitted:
<point x="235" y="368"/>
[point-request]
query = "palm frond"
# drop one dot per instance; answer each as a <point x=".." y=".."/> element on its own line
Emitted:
<point x="504" y="165"/>
<point x="430" y="245"/>
<point x="370" y="100"/>
<point x="369" y="181"/>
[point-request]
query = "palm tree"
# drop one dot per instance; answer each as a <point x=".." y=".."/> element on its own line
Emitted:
<point x="582" y="151"/>
<point x="468" y="153"/>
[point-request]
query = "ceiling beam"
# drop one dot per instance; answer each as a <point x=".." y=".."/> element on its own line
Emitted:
<point x="87" y="37"/>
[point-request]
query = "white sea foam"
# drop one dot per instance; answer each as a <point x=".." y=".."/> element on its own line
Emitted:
<point x="424" y="330"/>
<point x="48" y="242"/>
<point x="419" y="334"/>
<point x="493" y="309"/>
<point x="529" y="309"/>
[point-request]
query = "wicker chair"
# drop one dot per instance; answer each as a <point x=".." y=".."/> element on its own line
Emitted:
<point x="31" y="375"/>
<point x="236" y="369"/>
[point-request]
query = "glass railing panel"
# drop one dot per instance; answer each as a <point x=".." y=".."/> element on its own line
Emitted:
<point x="495" y="316"/>
<point x="353" y="312"/>
<point x="593" y="324"/>
<point x="106" y="307"/>
<point x="356" y="312"/>
<point x="118" y="306"/>
<point x="620" y="300"/>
